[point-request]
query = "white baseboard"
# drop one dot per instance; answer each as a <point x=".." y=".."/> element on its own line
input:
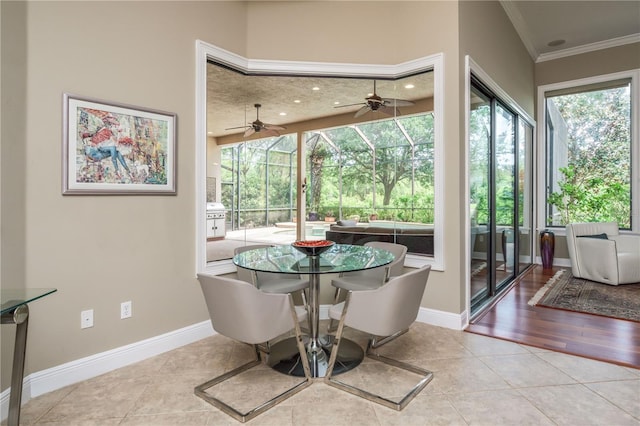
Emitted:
<point x="426" y="316"/>
<point x="55" y="378"/>
<point x="442" y="319"/>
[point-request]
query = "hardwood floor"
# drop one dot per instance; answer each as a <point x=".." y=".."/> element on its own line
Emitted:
<point x="591" y="336"/>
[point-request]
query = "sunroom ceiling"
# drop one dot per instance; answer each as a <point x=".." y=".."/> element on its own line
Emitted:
<point x="231" y="97"/>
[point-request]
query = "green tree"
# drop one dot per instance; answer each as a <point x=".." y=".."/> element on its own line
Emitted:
<point x="393" y="158"/>
<point x="596" y="183"/>
<point x="590" y="199"/>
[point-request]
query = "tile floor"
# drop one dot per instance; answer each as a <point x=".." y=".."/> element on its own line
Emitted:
<point x="478" y="380"/>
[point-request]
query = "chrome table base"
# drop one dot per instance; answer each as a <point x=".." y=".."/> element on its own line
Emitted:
<point x="284" y="357"/>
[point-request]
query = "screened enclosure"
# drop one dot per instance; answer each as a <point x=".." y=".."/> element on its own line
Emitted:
<point x="376" y="171"/>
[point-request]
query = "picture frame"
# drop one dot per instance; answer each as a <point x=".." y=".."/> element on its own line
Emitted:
<point x="112" y="148"/>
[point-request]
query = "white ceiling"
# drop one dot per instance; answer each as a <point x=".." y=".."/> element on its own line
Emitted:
<point x="583" y="25"/>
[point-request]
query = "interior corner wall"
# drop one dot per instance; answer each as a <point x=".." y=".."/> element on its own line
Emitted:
<point x="99" y="251"/>
<point x="488" y="36"/>
<point x="575" y="67"/>
<point x="102" y="250"/>
<point x="300" y="31"/>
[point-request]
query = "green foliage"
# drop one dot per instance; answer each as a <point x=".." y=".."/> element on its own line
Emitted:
<point x="590" y="199"/>
<point x="414" y="208"/>
<point x="596" y="182"/>
<point x="345" y="177"/>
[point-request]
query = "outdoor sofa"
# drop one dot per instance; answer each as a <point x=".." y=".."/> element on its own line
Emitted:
<point x="417" y="238"/>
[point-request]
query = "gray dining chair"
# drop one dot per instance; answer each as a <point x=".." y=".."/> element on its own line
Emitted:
<point x="384" y="313"/>
<point x="241" y="312"/>
<point x="370" y="279"/>
<point x="272" y="282"/>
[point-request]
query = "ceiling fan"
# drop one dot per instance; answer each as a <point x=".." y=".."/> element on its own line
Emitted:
<point x="258" y="126"/>
<point x="376" y="103"/>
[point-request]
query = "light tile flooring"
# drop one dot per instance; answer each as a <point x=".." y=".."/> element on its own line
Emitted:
<point x="478" y="380"/>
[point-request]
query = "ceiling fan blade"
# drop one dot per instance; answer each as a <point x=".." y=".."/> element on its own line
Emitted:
<point x="397" y="102"/>
<point x="272" y="127"/>
<point x="271" y="132"/>
<point x="249" y="132"/>
<point x="239" y="127"/>
<point x="389" y="110"/>
<point x="362" y="111"/>
<point x="348" y="105"/>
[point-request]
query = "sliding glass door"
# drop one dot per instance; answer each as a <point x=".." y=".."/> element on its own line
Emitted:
<point x="499" y="174"/>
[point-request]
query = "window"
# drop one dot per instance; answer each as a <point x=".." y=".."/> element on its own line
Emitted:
<point x="376" y="173"/>
<point x="221" y="165"/>
<point x="258" y="183"/>
<point x="590" y="152"/>
<point x="379" y="174"/>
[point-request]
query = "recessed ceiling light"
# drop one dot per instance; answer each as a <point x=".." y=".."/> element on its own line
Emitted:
<point x="315" y="88"/>
<point x="555" y="43"/>
<point x="409" y="86"/>
<point x="297" y="101"/>
<point x="336" y="103"/>
<point x="283" y="113"/>
<point x="209" y="133"/>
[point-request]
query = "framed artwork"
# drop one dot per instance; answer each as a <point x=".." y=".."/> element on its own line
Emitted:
<point x="111" y="148"/>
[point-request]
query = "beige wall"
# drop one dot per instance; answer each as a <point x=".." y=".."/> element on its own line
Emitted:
<point x="487" y="35"/>
<point x="100" y="251"/>
<point x="12" y="163"/>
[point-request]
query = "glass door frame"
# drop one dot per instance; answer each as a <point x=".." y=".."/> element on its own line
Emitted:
<point x="495" y="284"/>
<point x="524" y="122"/>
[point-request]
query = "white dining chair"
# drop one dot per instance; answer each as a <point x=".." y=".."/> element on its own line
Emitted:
<point x="241" y="312"/>
<point x="384" y="313"/>
<point x="272" y="282"/>
<point x="370" y="279"/>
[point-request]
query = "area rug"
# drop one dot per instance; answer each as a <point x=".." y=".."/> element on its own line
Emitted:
<point x="564" y="291"/>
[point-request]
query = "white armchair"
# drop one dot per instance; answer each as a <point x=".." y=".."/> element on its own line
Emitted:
<point x="598" y="252"/>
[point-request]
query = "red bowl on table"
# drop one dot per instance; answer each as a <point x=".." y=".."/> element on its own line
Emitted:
<point x="312" y="247"/>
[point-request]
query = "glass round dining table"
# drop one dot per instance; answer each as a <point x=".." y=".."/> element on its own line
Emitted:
<point x="288" y="260"/>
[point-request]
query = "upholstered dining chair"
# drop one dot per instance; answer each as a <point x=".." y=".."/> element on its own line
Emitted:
<point x="384" y="313"/>
<point x="272" y="282"/>
<point x="241" y="312"/>
<point x="370" y="279"/>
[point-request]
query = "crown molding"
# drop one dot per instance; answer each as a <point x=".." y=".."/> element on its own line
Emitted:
<point x="586" y="48"/>
<point x="521" y="27"/>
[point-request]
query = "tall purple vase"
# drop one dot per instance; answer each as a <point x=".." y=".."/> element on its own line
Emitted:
<point x="547" y="247"/>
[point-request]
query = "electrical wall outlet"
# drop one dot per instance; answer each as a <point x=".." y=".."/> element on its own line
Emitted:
<point x="86" y="318"/>
<point x="125" y="310"/>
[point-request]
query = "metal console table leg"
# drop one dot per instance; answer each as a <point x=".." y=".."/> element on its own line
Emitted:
<point x="20" y="317"/>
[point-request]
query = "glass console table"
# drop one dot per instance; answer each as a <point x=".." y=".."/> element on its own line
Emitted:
<point x="15" y="310"/>
<point x="288" y="260"/>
